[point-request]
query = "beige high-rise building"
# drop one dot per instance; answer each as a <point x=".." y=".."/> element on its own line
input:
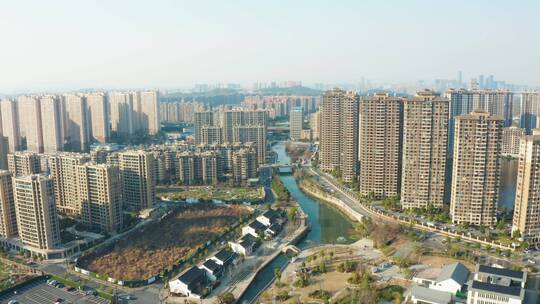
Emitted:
<point x="8" y="218"/>
<point x="210" y="135"/>
<point x="64" y="169"/>
<point x="380" y="145"/>
<point x="339" y="133"/>
<point x="315" y="125"/>
<point x="527" y="203"/>
<point x="99" y="194"/>
<point x="98" y="117"/>
<point x="510" y="141"/>
<point x="121" y="113"/>
<point x="425" y="133"/>
<point x="35" y="207"/>
<point x="230" y="119"/>
<point x="296" y="123"/>
<point x="30" y="121"/>
<point x="255" y="134"/>
<point x="149" y="115"/>
<point x="52" y="122"/>
<point x="138" y="184"/>
<point x="77" y="135"/>
<point x="244" y="164"/>
<point x="23" y="163"/>
<point x="10" y="124"/>
<point x="476" y="169"/>
<point x="202" y="119"/>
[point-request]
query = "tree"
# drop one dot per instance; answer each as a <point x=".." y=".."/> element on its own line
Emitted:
<point x="277" y="274"/>
<point x="226" y="298"/>
<point x="291" y="213"/>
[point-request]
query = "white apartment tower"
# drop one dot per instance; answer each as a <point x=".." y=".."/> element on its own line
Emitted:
<point x="138" y="183"/>
<point x="99" y="194"/>
<point x="296" y="123"/>
<point x="8" y="218"/>
<point x="36" y="211"/>
<point x="527" y="203"/>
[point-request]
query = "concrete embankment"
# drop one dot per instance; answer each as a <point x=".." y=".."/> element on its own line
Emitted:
<point x="320" y="195"/>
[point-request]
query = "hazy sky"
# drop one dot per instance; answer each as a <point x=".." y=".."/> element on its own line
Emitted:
<point x="56" y="45"/>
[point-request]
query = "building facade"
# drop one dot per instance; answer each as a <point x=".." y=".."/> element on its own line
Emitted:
<point x="339" y="133"/>
<point x="380" y="145"/>
<point x="476" y="169"/>
<point x="425" y="134"/>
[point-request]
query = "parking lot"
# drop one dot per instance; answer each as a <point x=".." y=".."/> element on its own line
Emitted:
<point x="41" y="293"/>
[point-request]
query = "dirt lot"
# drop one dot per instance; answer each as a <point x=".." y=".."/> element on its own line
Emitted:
<point x="145" y="253"/>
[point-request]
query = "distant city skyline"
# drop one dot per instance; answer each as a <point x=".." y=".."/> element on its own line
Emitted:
<point x="65" y="45"/>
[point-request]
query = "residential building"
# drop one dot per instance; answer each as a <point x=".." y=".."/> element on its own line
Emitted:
<point x="497" y="286"/>
<point x="255" y="134"/>
<point x="98" y="117"/>
<point x="99" y="193"/>
<point x="380" y="145"/>
<point x="204" y="118"/>
<point x="527" y="203"/>
<point x="190" y="283"/>
<point x="30" y="122"/>
<point x="199" y="168"/>
<point x="24" y="163"/>
<point x="52" y="119"/>
<point x="315" y="125"/>
<point x="121" y="113"/>
<point x="8" y="218"/>
<point x="36" y="211"/>
<point x="530" y="107"/>
<point x="425" y="133"/>
<point x="147" y="111"/>
<point x="296" y="123"/>
<point x="476" y="169"/>
<point x="63" y="168"/>
<point x="77" y="134"/>
<point x="510" y="141"/>
<point x="339" y="133"/>
<point x="10" y="124"/>
<point x="137" y="180"/>
<point x="244" y="164"/>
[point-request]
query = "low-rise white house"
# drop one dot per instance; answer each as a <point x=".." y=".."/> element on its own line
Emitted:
<point x="190" y="283"/>
<point x="268" y="218"/>
<point x="498" y="286"/>
<point x="424" y="295"/>
<point x="245" y="245"/>
<point x="254" y="228"/>
<point x="452" y="278"/>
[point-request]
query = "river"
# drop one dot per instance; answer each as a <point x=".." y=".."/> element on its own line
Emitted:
<point x="328" y="226"/>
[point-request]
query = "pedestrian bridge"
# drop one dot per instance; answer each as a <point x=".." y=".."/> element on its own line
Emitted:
<point x="291" y="249"/>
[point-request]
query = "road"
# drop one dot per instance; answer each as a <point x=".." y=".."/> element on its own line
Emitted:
<point x="344" y="195"/>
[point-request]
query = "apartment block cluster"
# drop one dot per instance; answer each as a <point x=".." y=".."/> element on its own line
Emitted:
<point x="281" y="106"/>
<point x="39" y="187"/>
<point x="409" y="147"/>
<point x="71" y="122"/>
<point x="179" y="112"/>
<point x="232" y="126"/>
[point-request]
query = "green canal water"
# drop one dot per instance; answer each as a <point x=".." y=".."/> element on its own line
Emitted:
<point x="328" y="226"/>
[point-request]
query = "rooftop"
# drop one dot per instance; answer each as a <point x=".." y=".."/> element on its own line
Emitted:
<point x="513" y="291"/>
<point x="431" y="295"/>
<point x="211" y="265"/>
<point x="191" y="275"/>
<point x="224" y="255"/>
<point x="501" y="272"/>
<point x="456" y="271"/>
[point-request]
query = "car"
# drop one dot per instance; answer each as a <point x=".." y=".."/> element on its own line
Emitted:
<point x="70" y="288"/>
<point x="59" y="285"/>
<point x="531" y="261"/>
<point x="58" y="300"/>
<point x="13" y="302"/>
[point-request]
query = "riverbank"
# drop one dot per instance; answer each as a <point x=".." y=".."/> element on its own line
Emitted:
<point x="240" y="289"/>
<point x="316" y="193"/>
